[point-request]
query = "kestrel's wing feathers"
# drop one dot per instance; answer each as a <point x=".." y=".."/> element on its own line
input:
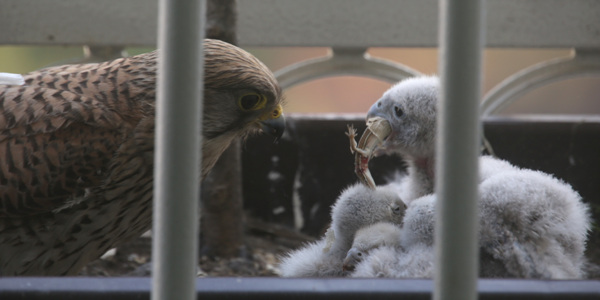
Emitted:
<point x="53" y="145"/>
<point x="126" y="85"/>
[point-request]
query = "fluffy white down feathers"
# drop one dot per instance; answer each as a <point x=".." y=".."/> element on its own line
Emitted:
<point x="357" y="207"/>
<point x="532" y="225"/>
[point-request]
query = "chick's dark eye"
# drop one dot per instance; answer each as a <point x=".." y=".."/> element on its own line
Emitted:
<point x="398" y="111"/>
<point x="251" y="101"/>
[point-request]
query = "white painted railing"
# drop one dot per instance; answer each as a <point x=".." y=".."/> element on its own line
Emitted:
<point x="457" y="150"/>
<point x="178" y="151"/>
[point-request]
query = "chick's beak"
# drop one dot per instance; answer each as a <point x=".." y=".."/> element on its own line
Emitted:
<point x="375" y="111"/>
<point x="274" y="123"/>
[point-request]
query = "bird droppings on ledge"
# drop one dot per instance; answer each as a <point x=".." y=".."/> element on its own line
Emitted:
<point x="262" y="263"/>
<point x="266" y="243"/>
<point x="274" y="176"/>
<point x="130" y="260"/>
<point x="278" y="210"/>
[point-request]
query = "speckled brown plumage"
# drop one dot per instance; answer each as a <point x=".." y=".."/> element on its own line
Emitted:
<point x="77" y="145"/>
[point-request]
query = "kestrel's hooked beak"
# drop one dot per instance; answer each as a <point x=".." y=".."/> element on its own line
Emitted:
<point x="273" y="122"/>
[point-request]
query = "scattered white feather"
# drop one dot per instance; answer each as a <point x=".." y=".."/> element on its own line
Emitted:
<point x="11" y="79"/>
<point x="109" y="254"/>
<point x="274" y="176"/>
<point x="278" y="210"/>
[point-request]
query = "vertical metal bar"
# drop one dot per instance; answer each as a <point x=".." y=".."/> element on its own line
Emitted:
<point x="458" y="149"/>
<point x="177" y="150"/>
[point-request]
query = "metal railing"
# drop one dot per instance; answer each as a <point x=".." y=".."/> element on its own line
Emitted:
<point x="457" y="150"/>
<point x="178" y="151"/>
<point x="54" y="288"/>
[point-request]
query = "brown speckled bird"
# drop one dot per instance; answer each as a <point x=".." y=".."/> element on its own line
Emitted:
<point x="77" y="147"/>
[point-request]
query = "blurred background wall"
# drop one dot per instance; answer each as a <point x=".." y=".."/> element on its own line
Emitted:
<point x="356" y="94"/>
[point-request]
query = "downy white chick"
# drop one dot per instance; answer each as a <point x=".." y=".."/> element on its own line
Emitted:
<point x="396" y="262"/>
<point x="532" y="225"/>
<point x="371" y="237"/>
<point x="357" y="207"/>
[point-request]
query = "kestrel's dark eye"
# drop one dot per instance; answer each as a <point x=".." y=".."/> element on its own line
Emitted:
<point x="252" y="101"/>
<point x="379" y="104"/>
<point x="398" y="111"/>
